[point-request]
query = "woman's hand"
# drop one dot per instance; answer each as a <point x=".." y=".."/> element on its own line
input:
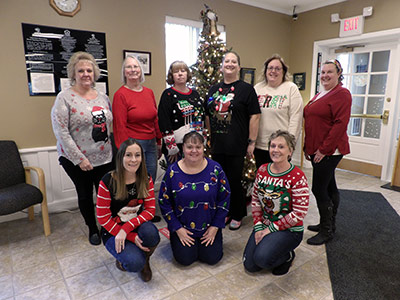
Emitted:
<point x="85" y="165"/>
<point x="173" y="158"/>
<point x="184" y="237"/>
<point x="209" y="236"/>
<point x="250" y="150"/>
<point x="159" y="152"/>
<point x="318" y="156"/>
<point x="259" y="235"/>
<point x="139" y="242"/>
<point x="120" y="241"/>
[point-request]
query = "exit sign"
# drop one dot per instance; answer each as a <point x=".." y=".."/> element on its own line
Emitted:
<point x="351" y="26"/>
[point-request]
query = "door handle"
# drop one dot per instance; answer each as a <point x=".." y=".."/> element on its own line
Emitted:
<point x="384" y="117"/>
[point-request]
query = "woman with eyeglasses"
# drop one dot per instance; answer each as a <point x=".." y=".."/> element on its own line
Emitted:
<point x="135" y="115"/>
<point x="326" y="117"/>
<point x="281" y="106"/>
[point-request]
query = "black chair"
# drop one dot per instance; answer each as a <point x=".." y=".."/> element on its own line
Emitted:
<point x="16" y="189"/>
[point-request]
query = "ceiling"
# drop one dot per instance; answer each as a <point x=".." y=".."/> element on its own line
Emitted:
<point x="286" y="6"/>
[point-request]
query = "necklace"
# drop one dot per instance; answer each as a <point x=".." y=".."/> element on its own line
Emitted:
<point x="132" y="190"/>
<point x="138" y="89"/>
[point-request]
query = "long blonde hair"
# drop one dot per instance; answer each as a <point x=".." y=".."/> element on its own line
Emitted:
<point x="118" y="176"/>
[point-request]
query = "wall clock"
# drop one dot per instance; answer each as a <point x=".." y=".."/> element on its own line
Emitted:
<point x="66" y="7"/>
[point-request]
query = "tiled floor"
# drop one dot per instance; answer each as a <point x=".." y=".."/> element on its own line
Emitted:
<point x="66" y="266"/>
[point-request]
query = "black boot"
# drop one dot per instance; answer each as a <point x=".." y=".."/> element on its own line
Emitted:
<point x="314" y="228"/>
<point x="325" y="233"/>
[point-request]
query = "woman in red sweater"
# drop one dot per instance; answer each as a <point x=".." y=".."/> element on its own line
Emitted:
<point x="125" y="205"/>
<point x="326" y="117"/>
<point x="135" y="114"/>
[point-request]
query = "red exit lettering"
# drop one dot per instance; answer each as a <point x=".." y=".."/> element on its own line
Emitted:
<point x="351" y="24"/>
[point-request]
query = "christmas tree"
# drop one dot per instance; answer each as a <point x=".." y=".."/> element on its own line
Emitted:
<point x="206" y="71"/>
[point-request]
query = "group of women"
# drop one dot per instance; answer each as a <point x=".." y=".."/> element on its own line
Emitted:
<point x="198" y="195"/>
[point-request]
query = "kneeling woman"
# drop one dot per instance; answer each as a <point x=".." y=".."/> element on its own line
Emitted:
<point x="125" y="205"/>
<point x="194" y="200"/>
<point x="279" y="205"/>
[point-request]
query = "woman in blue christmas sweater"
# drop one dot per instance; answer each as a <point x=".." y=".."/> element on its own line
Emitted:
<point x="279" y="204"/>
<point x="194" y="200"/>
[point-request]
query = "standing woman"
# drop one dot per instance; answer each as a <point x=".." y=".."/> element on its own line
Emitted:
<point x="326" y="117"/>
<point x="125" y="205"/>
<point x="81" y="119"/>
<point x="194" y="200"/>
<point x="279" y="204"/>
<point x="180" y="111"/>
<point x="281" y="106"/>
<point x="135" y="114"/>
<point x="232" y="116"/>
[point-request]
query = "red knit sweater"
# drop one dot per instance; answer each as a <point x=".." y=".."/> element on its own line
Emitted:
<point x="135" y="115"/>
<point x="326" y="121"/>
<point x="113" y="224"/>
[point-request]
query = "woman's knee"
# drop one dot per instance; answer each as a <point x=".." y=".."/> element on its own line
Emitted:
<point x="148" y="233"/>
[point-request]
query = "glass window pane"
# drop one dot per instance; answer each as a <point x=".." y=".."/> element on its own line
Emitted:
<point x="358" y="84"/>
<point x="372" y="128"/>
<point x="375" y="105"/>
<point x="360" y="64"/>
<point x="357" y="105"/>
<point x="378" y="84"/>
<point x="380" y="61"/>
<point x="354" y="128"/>
<point x="344" y="59"/>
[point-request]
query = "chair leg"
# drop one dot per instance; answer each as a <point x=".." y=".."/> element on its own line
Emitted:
<point x="45" y="217"/>
<point x="31" y="213"/>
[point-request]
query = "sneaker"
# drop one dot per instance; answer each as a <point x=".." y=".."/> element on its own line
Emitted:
<point x="235" y="225"/>
<point x="284" y="268"/>
<point x="227" y="220"/>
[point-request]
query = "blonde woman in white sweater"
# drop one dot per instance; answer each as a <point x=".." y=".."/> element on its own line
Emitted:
<point x="281" y="106"/>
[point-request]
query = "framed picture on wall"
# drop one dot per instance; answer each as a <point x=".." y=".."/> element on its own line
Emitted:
<point x="247" y="75"/>
<point x="143" y="56"/>
<point x="299" y="79"/>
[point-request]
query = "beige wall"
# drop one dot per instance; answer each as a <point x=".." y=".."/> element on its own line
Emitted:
<point x="128" y="24"/>
<point x="139" y="25"/>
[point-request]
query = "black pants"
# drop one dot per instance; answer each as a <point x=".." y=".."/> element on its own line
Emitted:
<point x="233" y="168"/>
<point x="84" y="181"/>
<point x="324" y="188"/>
<point x="262" y="157"/>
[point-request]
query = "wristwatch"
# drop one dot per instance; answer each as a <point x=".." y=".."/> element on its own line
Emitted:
<point x="250" y="141"/>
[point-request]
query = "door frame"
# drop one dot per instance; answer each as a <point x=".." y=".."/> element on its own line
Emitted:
<point x="391" y="36"/>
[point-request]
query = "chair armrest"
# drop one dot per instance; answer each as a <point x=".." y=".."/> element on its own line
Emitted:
<point x="40" y="174"/>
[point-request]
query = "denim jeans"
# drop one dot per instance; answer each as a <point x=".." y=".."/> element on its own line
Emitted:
<point x="132" y="258"/>
<point x="272" y="251"/>
<point x="187" y="255"/>
<point x="150" y="155"/>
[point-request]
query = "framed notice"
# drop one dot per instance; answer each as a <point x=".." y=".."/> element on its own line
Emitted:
<point x="47" y="51"/>
<point x="143" y="57"/>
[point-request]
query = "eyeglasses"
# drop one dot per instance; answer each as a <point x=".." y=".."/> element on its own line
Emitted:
<point x="277" y="69"/>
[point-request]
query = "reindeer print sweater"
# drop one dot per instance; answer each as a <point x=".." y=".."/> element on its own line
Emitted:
<point x="279" y="201"/>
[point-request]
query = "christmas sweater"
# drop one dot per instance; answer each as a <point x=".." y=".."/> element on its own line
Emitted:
<point x="135" y="115"/>
<point x="128" y="214"/>
<point x="82" y="127"/>
<point x="325" y="122"/>
<point x="178" y="114"/>
<point x="279" y="201"/>
<point x="281" y="108"/>
<point x="195" y="201"/>
<point x="229" y="107"/>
